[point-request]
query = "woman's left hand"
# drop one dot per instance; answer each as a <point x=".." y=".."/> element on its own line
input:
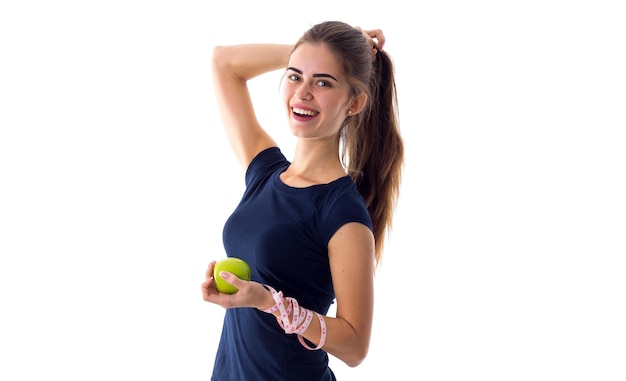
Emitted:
<point x="249" y="294"/>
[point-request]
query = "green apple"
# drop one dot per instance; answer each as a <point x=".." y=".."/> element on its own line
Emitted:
<point x="236" y="266"/>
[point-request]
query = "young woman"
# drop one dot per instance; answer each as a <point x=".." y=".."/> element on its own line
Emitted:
<point x="312" y="229"/>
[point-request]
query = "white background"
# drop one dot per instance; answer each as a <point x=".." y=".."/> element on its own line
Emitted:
<point x="506" y="258"/>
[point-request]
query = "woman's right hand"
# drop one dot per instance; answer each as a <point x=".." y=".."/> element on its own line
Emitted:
<point x="374" y="37"/>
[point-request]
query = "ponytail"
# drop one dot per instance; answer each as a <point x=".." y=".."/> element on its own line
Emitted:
<point x="374" y="150"/>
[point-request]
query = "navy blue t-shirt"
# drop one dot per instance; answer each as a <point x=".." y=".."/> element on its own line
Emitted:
<point x="283" y="234"/>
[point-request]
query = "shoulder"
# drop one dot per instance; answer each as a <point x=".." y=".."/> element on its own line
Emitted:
<point x="265" y="162"/>
<point x="345" y="206"/>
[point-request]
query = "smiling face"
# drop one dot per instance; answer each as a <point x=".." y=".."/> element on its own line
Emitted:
<point x="315" y="93"/>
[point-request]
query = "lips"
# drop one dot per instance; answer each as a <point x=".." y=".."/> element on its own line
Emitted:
<point x="303" y="113"/>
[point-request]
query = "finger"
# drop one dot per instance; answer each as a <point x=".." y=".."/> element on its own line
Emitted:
<point x="232" y="279"/>
<point x="380" y="43"/>
<point x="378" y="37"/>
<point x="209" y="271"/>
<point x="208" y="282"/>
<point x="206" y="287"/>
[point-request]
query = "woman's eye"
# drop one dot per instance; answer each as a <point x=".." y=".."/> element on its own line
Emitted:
<point x="323" y="83"/>
<point x="293" y="77"/>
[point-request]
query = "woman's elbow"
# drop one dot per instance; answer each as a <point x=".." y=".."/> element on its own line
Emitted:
<point x="356" y="357"/>
<point x="219" y="56"/>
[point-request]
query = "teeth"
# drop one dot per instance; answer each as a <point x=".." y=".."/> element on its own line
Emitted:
<point x="304" y="112"/>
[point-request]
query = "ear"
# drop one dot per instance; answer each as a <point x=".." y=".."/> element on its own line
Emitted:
<point x="357" y="104"/>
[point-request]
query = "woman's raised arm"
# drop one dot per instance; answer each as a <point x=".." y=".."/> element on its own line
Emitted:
<point x="232" y="67"/>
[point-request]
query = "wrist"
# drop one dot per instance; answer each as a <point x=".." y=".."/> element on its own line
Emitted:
<point x="267" y="302"/>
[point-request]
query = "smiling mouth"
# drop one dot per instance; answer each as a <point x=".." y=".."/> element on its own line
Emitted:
<point x="304" y="113"/>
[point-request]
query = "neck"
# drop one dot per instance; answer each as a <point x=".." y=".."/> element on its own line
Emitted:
<point x="314" y="164"/>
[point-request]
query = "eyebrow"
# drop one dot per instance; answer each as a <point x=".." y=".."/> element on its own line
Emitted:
<point x="321" y="75"/>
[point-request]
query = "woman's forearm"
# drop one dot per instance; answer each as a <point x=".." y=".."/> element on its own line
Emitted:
<point x="250" y="60"/>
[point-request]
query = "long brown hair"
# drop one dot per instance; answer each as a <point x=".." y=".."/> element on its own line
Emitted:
<point x="372" y="148"/>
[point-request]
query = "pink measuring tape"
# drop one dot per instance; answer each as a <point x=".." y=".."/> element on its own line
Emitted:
<point x="301" y="318"/>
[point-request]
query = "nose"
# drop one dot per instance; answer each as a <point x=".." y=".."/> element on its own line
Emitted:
<point x="303" y="92"/>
